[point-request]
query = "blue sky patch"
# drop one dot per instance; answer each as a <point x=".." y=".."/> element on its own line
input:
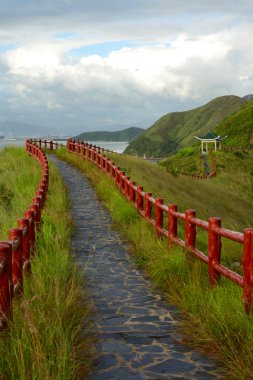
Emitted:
<point x="65" y="36"/>
<point x="4" y="48"/>
<point x="103" y="49"/>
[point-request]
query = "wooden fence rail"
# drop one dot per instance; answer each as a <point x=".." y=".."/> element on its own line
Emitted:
<point x="16" y="253"/>
<point x="156" y="213"/>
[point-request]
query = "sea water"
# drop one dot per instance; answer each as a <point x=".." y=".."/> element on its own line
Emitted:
<point x="11" y="142"/>
<point x="116" y="146"/>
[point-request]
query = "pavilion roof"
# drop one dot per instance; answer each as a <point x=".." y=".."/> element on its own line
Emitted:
<point x="210" y="136"/>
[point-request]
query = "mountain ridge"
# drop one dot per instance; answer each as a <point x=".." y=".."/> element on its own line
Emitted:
<point x="177" y="129"/>
<point x="127" y="135"/>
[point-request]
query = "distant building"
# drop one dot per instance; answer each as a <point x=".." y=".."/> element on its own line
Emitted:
<point x="210" y="138"/>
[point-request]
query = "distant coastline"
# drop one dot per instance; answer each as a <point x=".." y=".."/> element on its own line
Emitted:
<point x="116" y="146"/>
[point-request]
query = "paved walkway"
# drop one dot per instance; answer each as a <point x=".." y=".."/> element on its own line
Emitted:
<point x="206" y="164"/>
<point x="136" y="330"/>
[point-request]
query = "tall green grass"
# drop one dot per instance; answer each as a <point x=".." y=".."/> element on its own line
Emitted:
<point x="213" y="320"/>
<point x="19" y="178"/>
<point x="49" y="335"/>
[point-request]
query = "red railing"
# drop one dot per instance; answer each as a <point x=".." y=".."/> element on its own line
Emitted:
<point x="155" y="212"/>
<point x="47" y="144"/>
<point x="16" y="253"/>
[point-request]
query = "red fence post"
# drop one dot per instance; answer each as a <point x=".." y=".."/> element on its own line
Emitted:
<point x="247" y="263"/>
<point x="38" y="200"/>
<point x="30" y="215"/>
<point x="98" y="159"/>
<point x="5" y="283"/>
<point x="148" y="206"/>
<point x="23" y="223"/>
<point x="132" y="192"/>
<point x="121" y="181"/>
<point x="214" y="250"/>
<point x="106" y="164"/>
<point x="112" y="165"/>
<point x="172" y="222"/>
<point x="158" y="216"/>
<point x="16" y="236"/>
<point x="126" y="190"/>
<point x="190" y="229"/>
<point x="35" y="208"/>
<point x="139" y="198"/>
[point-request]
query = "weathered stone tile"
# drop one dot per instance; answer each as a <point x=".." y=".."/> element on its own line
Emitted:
<point x="105" y="361"/>
<point x="172" y="366"/>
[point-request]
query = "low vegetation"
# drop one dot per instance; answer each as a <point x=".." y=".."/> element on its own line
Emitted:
<point x="44" y="339"/>
<point x="214" y="320"/>
<point x="185" y="161"/>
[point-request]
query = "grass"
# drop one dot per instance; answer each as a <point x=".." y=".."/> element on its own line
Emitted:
<point x="213" y="320"/>
<point x="44" y="339"/>
<point x="185" y="161"/>
<point x="19" y="178"/>
<point x="238" y="127"/>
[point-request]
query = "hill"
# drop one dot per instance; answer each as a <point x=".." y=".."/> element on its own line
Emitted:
<point x="127" y="134"/>
<point x="248" y="97"/>
<point x="238" y="127"/>
<point x="177" y="129"/>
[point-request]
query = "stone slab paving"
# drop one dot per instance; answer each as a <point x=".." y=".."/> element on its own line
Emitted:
<point x="136" y="329"/>
<point x="206" y="164"/>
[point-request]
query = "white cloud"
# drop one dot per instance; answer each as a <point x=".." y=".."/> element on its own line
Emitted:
<point x="177" y="55"/>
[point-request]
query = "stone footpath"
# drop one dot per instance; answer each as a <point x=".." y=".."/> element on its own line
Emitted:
<point x="206" y="164"/>
<point x="136" y="329"/>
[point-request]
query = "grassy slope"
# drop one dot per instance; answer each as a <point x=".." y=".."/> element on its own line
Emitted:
<point x="43" y="342"/>
<point x="185" y="161"/>
<point x="214" y="321"/>
<point x="178" y="129"/>
<point x="238" y="127"/>
<point x="16" y="171"/>
<point x="125" y="135"/>
<point x="218" y="197"/>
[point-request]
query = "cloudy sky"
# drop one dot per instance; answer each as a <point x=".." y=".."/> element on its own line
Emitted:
<point x="92" y="64"/>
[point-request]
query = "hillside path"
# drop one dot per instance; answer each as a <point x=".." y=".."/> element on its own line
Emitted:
<point x="136" y="329"/>
<point x="206" y="164"/>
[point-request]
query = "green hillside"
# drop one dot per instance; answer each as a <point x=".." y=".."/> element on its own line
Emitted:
<point x="127" y="134"/>
<point x="177" y="129"/>
<point x="238" y="127"/>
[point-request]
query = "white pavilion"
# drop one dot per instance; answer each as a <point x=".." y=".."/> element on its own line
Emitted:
<point x="210" y="138"/>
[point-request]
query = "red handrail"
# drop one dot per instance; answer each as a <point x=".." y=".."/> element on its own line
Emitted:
<point x="154" y="211"/>
<point x="16" y="253"/>
<point x="45" y="143"/>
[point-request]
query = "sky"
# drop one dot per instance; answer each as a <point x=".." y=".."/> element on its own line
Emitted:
<point x="79" y="65"/>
